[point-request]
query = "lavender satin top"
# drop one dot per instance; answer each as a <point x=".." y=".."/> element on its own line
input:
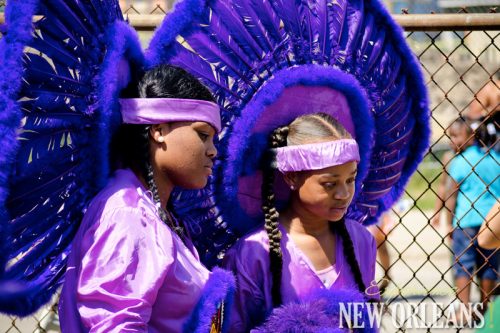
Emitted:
<point x="127" y="271"/>
<point x="249" y="260"/>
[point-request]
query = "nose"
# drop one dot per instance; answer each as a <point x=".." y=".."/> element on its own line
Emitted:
<point x="342" y="192"/>
<point x="212" y="150"/>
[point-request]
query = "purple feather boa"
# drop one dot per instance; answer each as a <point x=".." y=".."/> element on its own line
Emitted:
<point x="179" y="21"/>
<point x="219" y="288"/>
<point x="124" y="51"/>
<point x="422" y="131"/>
<point x="321" y="312"/>
<point x="17" y="14"/>
<point x="23" y="298"/>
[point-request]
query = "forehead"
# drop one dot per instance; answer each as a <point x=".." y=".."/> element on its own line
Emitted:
<point x="335" y="171"/>
<point x="197" y="125"/>
<point x="457" y="128"/>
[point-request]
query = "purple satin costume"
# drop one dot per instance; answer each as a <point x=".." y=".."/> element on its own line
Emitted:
<point x="127" y="271"/>
<point x="249" y="260"/>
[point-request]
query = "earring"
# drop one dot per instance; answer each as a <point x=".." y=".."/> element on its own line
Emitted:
<point x="292" y="187"/>
<point x="161" y="139"/>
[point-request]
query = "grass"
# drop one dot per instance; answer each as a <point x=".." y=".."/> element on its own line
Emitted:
<point x="423" y="185"/>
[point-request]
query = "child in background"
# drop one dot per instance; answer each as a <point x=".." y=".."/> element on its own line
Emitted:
<point x="474" y="189"/>
<point x="461" y="137"/>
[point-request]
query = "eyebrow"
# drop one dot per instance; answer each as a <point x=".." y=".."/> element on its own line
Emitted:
<point x="206" y="127"/>
<point x="334" y="175"/>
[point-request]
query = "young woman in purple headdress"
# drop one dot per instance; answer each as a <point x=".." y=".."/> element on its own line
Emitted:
<point x="308" y="245"/>
<point x="132" y="267"/>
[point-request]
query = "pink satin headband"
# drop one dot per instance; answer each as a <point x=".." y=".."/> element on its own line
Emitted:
<point x="149" y="111"/>
<point x="315" y="156"/>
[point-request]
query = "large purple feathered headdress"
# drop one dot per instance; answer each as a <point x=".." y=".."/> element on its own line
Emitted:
<point x="58" y="106"/>
<point x="269" y="61"/>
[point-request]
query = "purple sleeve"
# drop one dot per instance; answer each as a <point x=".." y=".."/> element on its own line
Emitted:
<point x="249" y="307"/>
<point x="125" y="265"/>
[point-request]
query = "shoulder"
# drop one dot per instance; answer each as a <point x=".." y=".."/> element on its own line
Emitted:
<point x="122" y="195"/>
<point x="249" y="249"/>
<point x="124" y="210"/>
<point x="360" y="235"/>
<point x="256" y="239"/>
<point x="358" y="230"/>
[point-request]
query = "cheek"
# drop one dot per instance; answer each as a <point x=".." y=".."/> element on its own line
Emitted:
<point x="184" y="164"/>
<point x="185" y="151"/>
<point x="314" y="198"/>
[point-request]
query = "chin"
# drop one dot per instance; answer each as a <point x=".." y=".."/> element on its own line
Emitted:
<point x="335" y="217"/>
<point x="195" y="185"/>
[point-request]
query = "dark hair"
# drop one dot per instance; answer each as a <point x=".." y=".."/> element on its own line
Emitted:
<point x="304" y="129"/>
<point x="130" y="145"/>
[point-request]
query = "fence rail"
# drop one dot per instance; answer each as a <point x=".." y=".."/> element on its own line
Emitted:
<point x="410" y="22"/>
<point x="460" y="57"/>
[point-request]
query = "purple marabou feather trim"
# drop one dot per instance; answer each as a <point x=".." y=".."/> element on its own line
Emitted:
<point x="124" y="52"/>
<point x="18" y="18"/>
<point x="309" y="75"/>
<point x="220" y="287"/>
<point x="319" y="313"/>
<point x="179" y="21"/>
<point x="421" y="132"/>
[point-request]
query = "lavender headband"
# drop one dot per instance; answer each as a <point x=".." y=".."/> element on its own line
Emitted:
<point x="149" y="111"/>
<point x="315" y="156"/>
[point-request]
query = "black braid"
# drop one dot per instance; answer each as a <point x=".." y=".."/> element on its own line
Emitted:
<point x="148" y="174"/>
<point x="340" y="229"/>
<point x="271" y="215"/>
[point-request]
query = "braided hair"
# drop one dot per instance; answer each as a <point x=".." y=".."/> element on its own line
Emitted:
<point x="130" y="146"/>
<point x="304" y="129"/>
<point x="271" y="216"/>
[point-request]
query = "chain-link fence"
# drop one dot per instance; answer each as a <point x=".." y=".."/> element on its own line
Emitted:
<point x="461" y="67"/>
<point x="461" y="63"/>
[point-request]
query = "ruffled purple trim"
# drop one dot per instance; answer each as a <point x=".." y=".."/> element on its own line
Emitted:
<point x="19" y="29"/>
<point x="179" y="21"/>
<point x="420" y="101"/>
<point x="219" y="288"/>
<point x="124" y="53"/>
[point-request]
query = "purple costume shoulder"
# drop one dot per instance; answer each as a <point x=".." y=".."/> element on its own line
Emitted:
<point x="127" y="269"/>
<point x="249" y="260"/>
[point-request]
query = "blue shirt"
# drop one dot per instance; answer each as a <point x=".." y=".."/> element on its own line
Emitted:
<point x="478" y="174"/>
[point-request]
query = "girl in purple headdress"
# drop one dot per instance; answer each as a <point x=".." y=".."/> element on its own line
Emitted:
<point x="132" y="266"/>
<point x="308" y="245"/>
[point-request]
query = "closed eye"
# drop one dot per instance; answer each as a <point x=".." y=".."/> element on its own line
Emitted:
<point x="203" y="136"/>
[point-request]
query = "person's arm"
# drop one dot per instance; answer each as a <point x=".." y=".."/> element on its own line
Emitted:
<point x="451" y="200"/>
<point x="441" y="190"/>
<point x="480" y="105"/>
<point x="122" y="272"/>
<point x="489" y="234"/>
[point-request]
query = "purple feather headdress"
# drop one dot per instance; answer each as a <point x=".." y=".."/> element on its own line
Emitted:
<point x="251" y="53"/>
<point x="59" y="102"/>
